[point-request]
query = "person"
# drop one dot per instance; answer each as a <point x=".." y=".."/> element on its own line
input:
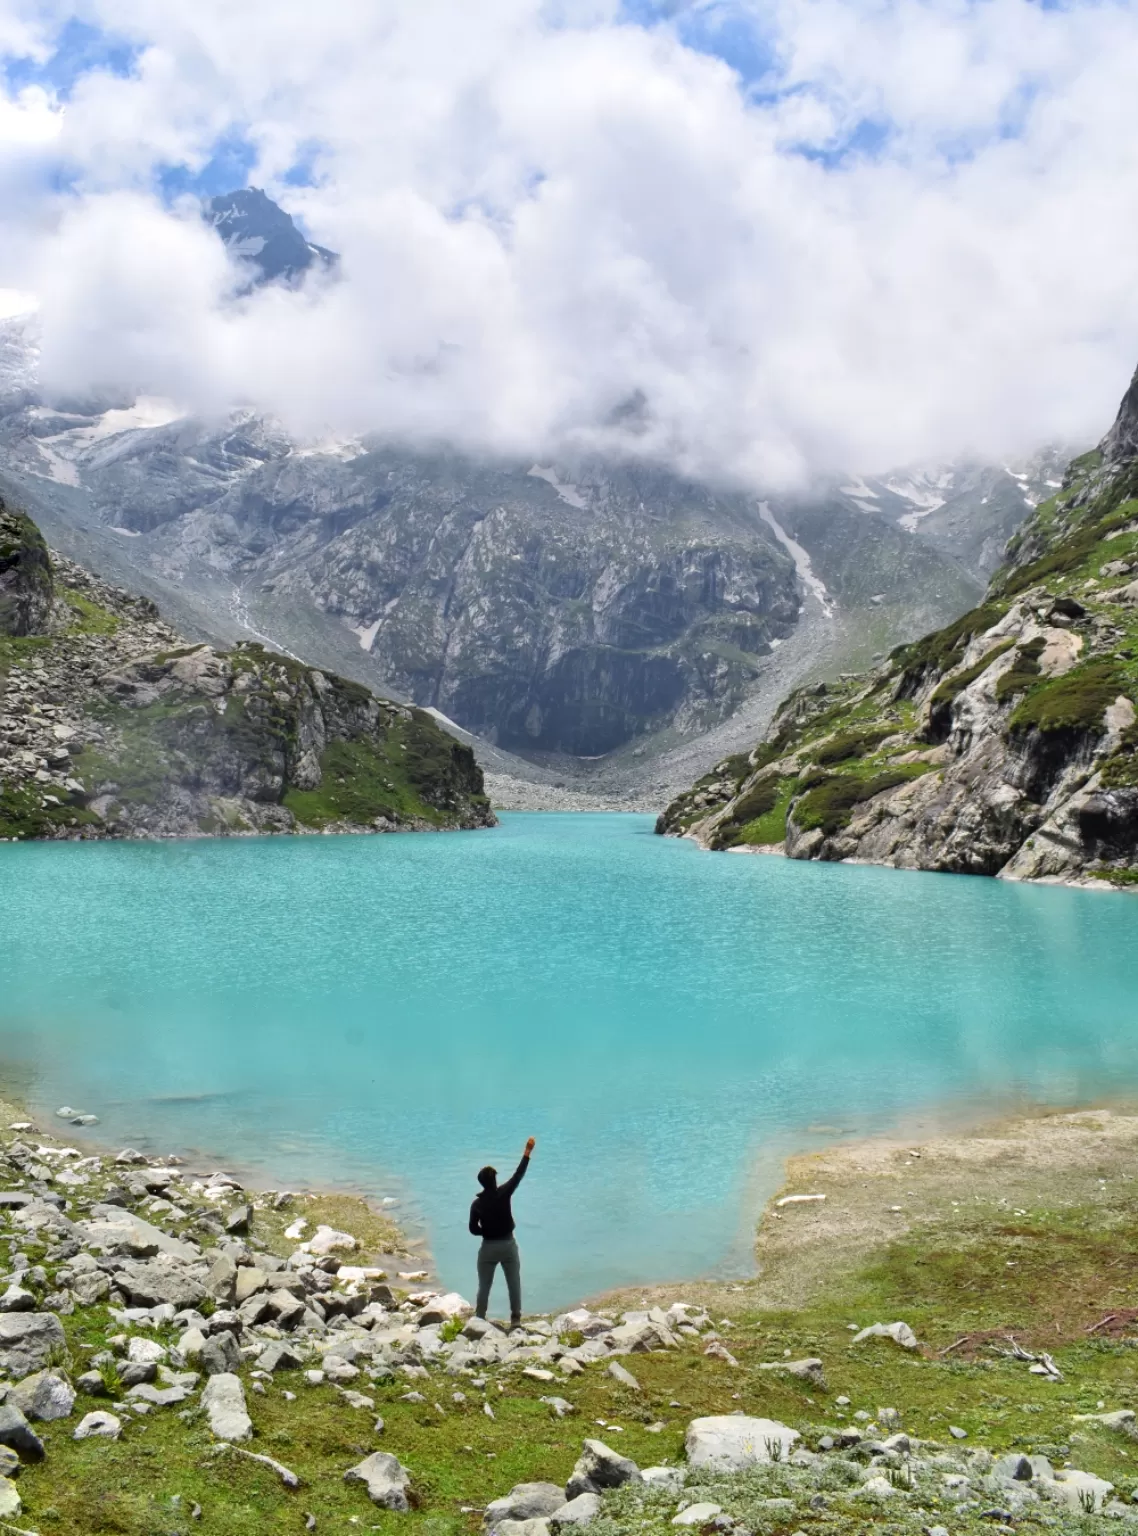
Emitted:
<point x="492" y="1219"/>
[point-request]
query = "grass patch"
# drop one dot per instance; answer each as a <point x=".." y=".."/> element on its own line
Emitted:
<point x="1023" y="672"/>
<point x="1076" y="701"/>
<point x="829" y="806"/>
<point x="24" y="816"/>
<point x="771" y="826"/>
<point x="851" y="743"/>
<point x="90" y="618"/>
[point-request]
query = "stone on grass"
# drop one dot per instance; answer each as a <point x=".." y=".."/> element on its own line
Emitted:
<point x="328" y="1240"/>
<point x="1080" y="1491"/>
<point x="535" y="1527"/>
<point x="157" y="1397"/>
<point x="582" y="1510"/>
<point x="191" y="1342"/>
<point x="9" y="1499"/>
<point x="278" y="1357"/>
<point x="900" y="1333"/>
<point x="16" y="1299"/>
<point x="697" y="1514"/>
<point x="667" y="1479"/>
<point x="248" y="1282"/>
<point x="560" y="1405"/>
<point x="386" y="1480"/>
<point x="220" y="1353"/>
<point x="733" y="1442"/>
<point x="441" y="1309"/>
<point x="16" y="1432"/>
<point x="599" y="1468"/>
<point x="100" y="1423"/>
<point x="9" y="1461"/>
<point x="809" y="1370"/>
<point x="625" y="1377"/>
<point x="224" y="1403"/>
<point x="150" y="1282"/>
<point x="525" y="1501"/>
<point x="47" y="1395"/>
<point x="92" y="1383"/>
<point x="1118" y="1418"/>
<point x="140" y="1374"/>
<point x="28" y="1340"/>
<point x="221" y="1282"/>
<point x="1014" y="1468"/>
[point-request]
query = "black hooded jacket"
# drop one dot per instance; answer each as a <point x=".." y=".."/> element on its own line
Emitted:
<point x="490" y="1214"/>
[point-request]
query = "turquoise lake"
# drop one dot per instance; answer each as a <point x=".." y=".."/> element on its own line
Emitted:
<point x="388" y="1013"/>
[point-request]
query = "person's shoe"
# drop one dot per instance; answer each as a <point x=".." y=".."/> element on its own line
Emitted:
<point x="515" y="1321"/>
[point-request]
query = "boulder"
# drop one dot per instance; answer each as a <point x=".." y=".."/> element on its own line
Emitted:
<point x="9" y="1499"/>
<point x="328" y="1240"/>
<point x="599" y="1468"/>
<point x="733" y="1442"/>
<point x="278" y="1357"/>
<point x="900" y="1333"/>
<point x="28" y="1340"/>
<point x="145" y="1351"/>
<point x="248" y="1282"/>
<point x="582" y="1510"/>
<point x="626" y="1378"/>
<point x="534" y="1527"/>
<point x="1080" y="1491"/>
<point x="809" y="1370"/>
<point x="440" y="1309"/>
<point x="697" y="1514"/>
<point x="92" y="1383"/>
<point x="666" y="1479"/>
<point x="221" y="1281"/>
<point x="385" y="1479"/>
<point x="150" y="1282"/>
<point x="220" y="1353"/>
<point x="224" y="1403"/>
<point x="138" y="1374"/>
<point x="16" y="1299"/>
<point x="525" y="1501"/>
<point x="100" y="1423"/>
<point x="158" y="1397"/>
<point x="191" y="1343"/>
<point x="16" y="1432"/>
<point x="46" y="1396"/>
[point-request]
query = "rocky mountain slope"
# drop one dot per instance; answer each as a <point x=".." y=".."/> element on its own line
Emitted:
<point x="112" y="726"/>
<point x="1003" y="744"/>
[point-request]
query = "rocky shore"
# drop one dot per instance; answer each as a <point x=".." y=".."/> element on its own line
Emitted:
<point x="284" y="1380"/>
<point x="111" y="725"/>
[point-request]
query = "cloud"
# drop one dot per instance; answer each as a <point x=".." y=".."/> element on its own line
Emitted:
<point x="904" y="231"/>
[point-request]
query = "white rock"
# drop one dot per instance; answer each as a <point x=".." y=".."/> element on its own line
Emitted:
<point x="328" y="1240"/>
<point x="1080" y="1491"/>
<point x="618" y="1373"/>
<point x="145" y="1352"/>
<point x="191" y="1343"/>
<point x="385" y="1478"/>
<point x="900" y="1333"/>
<point x="732" y="1442"/>
<point x="877" y="1487"/>
<point x="697" y="1514"/>
<point x="101" y="1423"/>
<point x="582" y="1510"/>
<point x="670" y="1479"/>
<point x="9" y="1499"/>
<point x="296" y="1231"/>
<point x="224" y="1403"/>
<point x="798" y="1199"/>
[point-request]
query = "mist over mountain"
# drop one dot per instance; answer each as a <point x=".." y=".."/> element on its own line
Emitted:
<point x="256" y="230"/>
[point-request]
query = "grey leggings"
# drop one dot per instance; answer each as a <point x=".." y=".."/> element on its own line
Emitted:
<point x="503" y="1251"/>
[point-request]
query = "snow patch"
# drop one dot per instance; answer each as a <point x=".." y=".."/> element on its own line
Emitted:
<point x="127" y="533"/>
<point x="801" y="560"/>
<point x="365" y="634"/>
<point x="564" y="488"/>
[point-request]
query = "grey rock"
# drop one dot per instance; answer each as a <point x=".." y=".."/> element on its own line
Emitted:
<point x="385" y="1479"/>
<point x="101" y="1423"/>
<point x="525" y="1501"/>
<point x="278" y="1357"/>
<point x="220" y="1353"/>
<point x="224" y="1402"/>
<point x="47" y="1395"/>
<point x="16" y="1299"/>
<point x="18" y="1434"/>
<point x="92" y="1384"/>
<point x="238" y="1219"/>
<point x="598" y="1467"/>
<point x="1013" y="1468"/>
<point x="582" y="1510"/>
<point x="138" y="1373"/>
<point x="28" y="1340"/>
<point x="221" y="1281"/>
<point x="164" y="1279"/>
<point x="899" y="1333"/>
<point x="158" y="1397"/>
<point x="734" y="1442"/>
<point x="625" y="1377"/>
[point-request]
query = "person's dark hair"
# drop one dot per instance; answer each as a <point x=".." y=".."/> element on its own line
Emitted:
<point x="488" y="1177"/>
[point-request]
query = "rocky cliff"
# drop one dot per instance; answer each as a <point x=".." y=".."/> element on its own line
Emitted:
<point x="112" y="726"/>
<point x="1004" y="744"/>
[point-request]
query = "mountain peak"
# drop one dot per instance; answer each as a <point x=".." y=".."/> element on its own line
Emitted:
<point x="259" y="231"/>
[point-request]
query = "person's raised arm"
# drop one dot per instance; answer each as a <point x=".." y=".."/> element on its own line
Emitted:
<point x="519" y="1172"/>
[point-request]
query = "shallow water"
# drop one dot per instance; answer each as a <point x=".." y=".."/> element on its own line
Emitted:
<point x="392" y="1012"/>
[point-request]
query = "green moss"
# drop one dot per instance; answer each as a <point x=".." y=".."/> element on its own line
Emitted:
<point x="1070" y="554"/>
<point x="1023" y="672"/>
<point x="1115" y="876"/>
<point x="90" y="618"/>
<point x="942" y="649"/>
<point x="24" y="816"/>
<point x="1074" y="702"/>
<point x="830" y="804"/>
<point x="1120" y="771"/>
<point x="771" y="826"/>
<point x="847" y="744"/>
<point x="956" y="684"/>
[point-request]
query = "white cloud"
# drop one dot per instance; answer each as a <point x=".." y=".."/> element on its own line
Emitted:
<point x="543" y="216"/>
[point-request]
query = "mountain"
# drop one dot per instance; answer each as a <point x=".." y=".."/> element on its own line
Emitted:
<point x="1003" y="744"/>
<point x="258" y="231"/>
<point x="112" y="726"/>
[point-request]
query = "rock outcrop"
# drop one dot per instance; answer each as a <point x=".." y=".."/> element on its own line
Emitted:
<point x="110" y="726"/>
<point x="1004" y="744"/>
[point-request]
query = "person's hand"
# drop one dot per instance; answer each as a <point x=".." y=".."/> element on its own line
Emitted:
<point x="530" y="1144"/>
